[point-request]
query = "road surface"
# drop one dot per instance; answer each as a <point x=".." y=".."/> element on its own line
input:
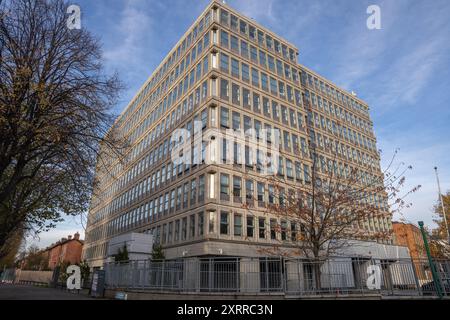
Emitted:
<point x="28" y="292"/>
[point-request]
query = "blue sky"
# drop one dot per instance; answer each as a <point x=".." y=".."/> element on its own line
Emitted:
<point x="402" y="70"/>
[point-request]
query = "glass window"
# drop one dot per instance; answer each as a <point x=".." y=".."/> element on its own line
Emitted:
<point x="237" y="186"/>
<point x="247" y="123"/>
<point x="206" y="40"/>
<point x="244" y="49"/>
<point x="248" y="157"/>
<point x="177" y="230"/>
<point x="224" y="63"/>
<point x="193" y="191"/>
<point x="234" y="68"/>
<point x="260" y="38"/>
<point x="281" y="89"/>
<point x="306" y="173"/>
<point x="283" y="230"/>
<point x="280" y="166"/>
<point x="252" y="32"/>
<point x="224" y="186"/>
<point x="200" y="223"/>
<point x="249" y="190"/>
<point x="269" y="42"/>
<point x="260" y="191"/>
<point x="224" y="89"/>
<point x="236" y="119"/>
<point x="237" y="154"/>
<point x="224" y="17"/>
<point x="250" y="226"/>
<point x="262" y="59"/>
<point x="289" y="169"/>
<point x="234" y="22"/>
<point x="224" y="40"/>
<point x="243" y="27"/>
<point x="255" y="77"/>
<point x="245" y="73"/>
<point x="201" y="188"/>
<point x="192" y="226"/>
<point x="275" y="112"/>
<point x="273" y="229"/>
<point x="293" y="231"/>
<point x="224" y="117"/>
<point x="262" y="228"/>
<point x="235" y="44"/>
<point x="237" y="224"/>
<point x="254" y="54"/>
<point x="273" y="86"/>
<point x="271" y="61"/>
<point x="224" y="222"/>
<point x="212" y="222"/>
<point x="264" y="82"/>
<point x="184" y="229"/>
<point x="246" y="98"/>
<point x="235" y="94"/>
<point x="256" y="103"/>
<point x="279" y="68"/>
<point x="266" y="106"/>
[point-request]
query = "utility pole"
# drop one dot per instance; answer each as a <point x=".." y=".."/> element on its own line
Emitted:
<point x="442" y="204"/>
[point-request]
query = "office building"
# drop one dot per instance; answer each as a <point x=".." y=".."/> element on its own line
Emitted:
<point x="226" y="73"/>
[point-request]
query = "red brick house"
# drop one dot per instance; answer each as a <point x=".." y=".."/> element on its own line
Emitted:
<point x="65" y="250"/>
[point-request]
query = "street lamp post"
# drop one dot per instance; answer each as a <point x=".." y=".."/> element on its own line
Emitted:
<point x="437" y="283"/>
<point x="442" y="204"/>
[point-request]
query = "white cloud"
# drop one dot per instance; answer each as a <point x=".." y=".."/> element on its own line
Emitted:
<point x="403" y="82"/>
<point x="133" y="30"/>
<point x="423" y="156"/>
<point x="259" y="10"/>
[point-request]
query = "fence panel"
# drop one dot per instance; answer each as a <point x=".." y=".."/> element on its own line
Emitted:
<point x="8" y="275"/>
<point x="334" y="276"/>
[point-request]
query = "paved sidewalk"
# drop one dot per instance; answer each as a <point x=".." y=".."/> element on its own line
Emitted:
<point x="28" y="292"/>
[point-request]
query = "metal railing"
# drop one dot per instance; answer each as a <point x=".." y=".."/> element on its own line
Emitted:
<point x="292" y="277"/>
<point x="8" y="275"/>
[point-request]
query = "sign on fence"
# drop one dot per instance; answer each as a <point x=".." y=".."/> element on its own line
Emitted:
<point x="98" y="284"/>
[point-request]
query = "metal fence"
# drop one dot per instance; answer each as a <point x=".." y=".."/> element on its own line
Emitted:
<point x="292" y="277"/>
<point x="8" y="275"/>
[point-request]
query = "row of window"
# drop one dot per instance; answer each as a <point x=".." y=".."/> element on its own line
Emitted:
<point x="183" y="86"/>
<point x="251" y="53"/>
<point x="195" y="98"/>
<point x="314" y="83"/>
<point x="184" y="196"/>
<point x="155" y="156"/>
<point x="241" y="97"/>
<point x="321" y="104"/>
<point x="241" y="70"/>
<point x="256" y="35"/>
<point x="184" y="46"/>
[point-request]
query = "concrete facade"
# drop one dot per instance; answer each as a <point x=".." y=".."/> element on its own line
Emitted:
<point x="226" y="72"/>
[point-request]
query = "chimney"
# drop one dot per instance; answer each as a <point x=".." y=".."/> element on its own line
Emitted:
<point x="76" y="236"/>
<point x="69" y="237"/>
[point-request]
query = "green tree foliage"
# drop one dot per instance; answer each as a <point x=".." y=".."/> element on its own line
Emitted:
<point x="35" y="259"/>
<point x="441" y="232"/>
<point x="122" y="255"/>
<point x="158" y="253"/>
<point x="85" y="270"/>
<point x="13" y="244"/>
<point x="55" y="103"/>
